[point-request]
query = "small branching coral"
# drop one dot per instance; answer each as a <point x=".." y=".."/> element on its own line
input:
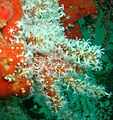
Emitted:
<point x="56" y="61"/>
<point x="56" y="65"/>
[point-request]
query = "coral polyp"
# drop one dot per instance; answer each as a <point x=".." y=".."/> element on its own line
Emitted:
<point x="42" y="56"/>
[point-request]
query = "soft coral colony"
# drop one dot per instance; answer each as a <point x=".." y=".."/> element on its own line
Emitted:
<point x="34" y="49"/>
<point x="11" y="53"/>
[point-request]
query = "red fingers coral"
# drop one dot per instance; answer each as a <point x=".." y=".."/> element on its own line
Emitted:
<point x="74" y="10"/>
<point x="12" y="82"/>
<point x="21" y="87"/>
<point x="11" y="28"/>
<point x="10" y="56"/>
<point x="6" y="12"/>
<point x="73" y="32"/>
